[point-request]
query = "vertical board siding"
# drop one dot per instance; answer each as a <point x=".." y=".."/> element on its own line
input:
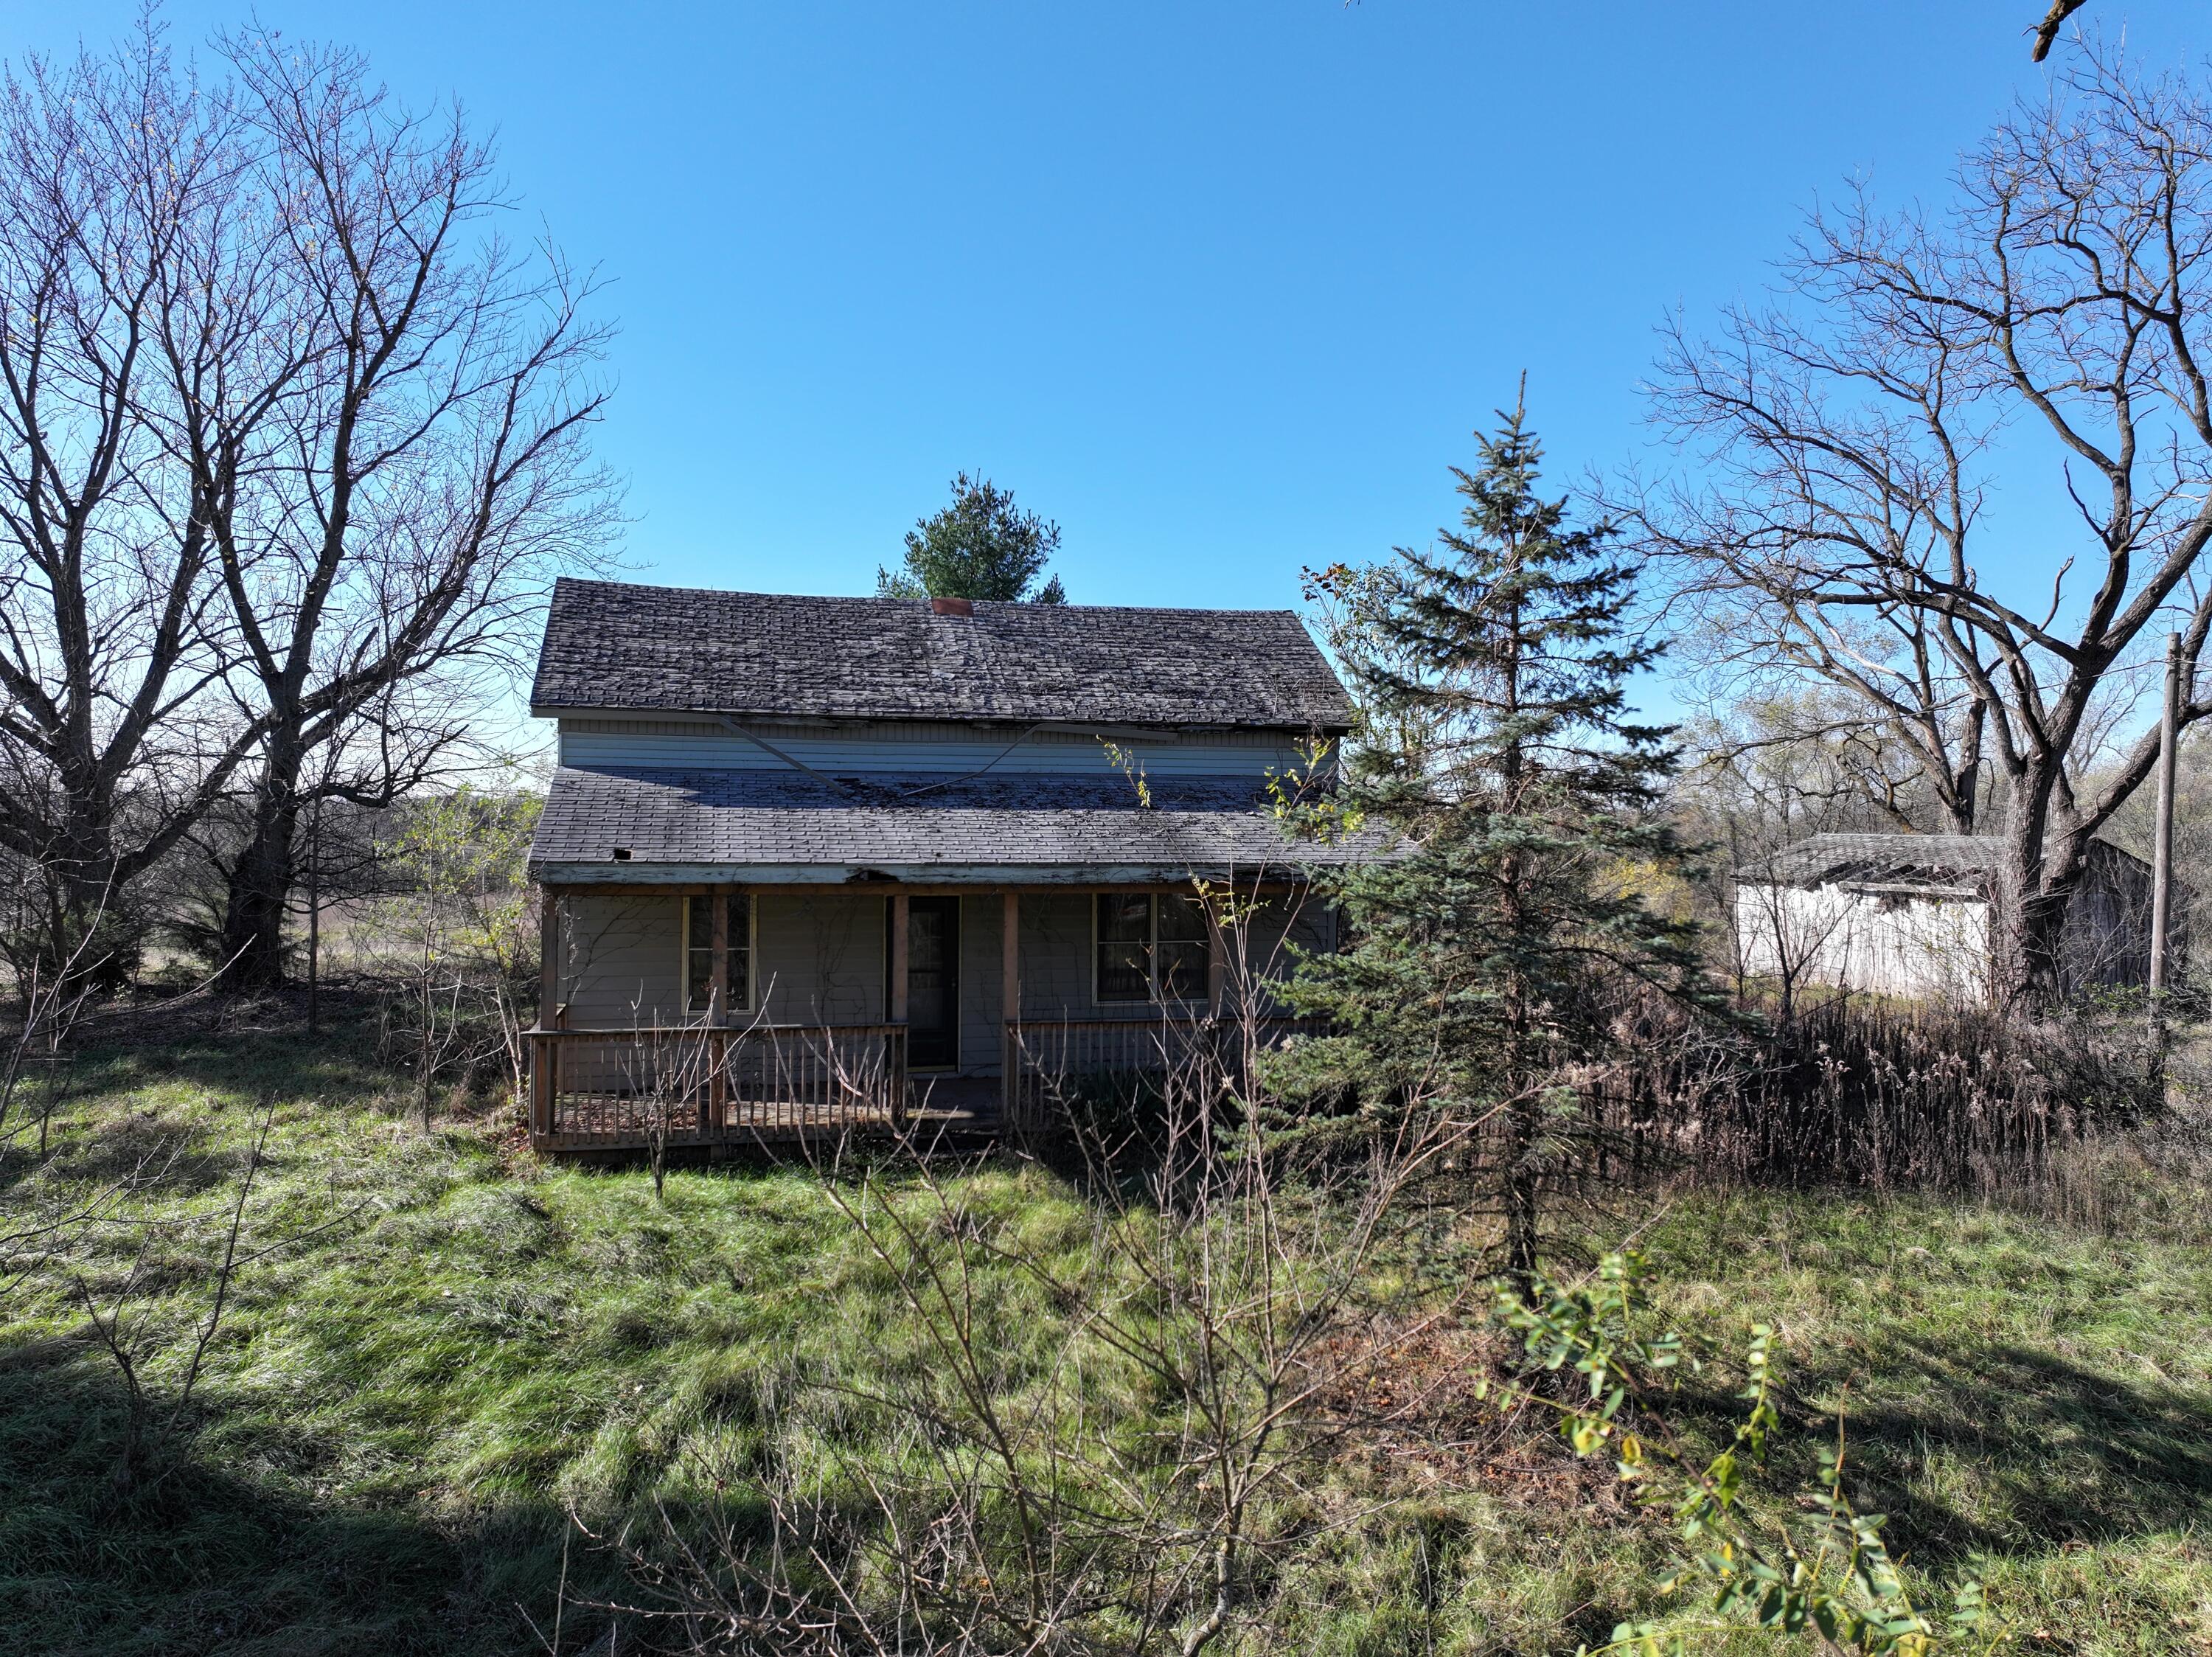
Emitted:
<point x="1934" y="947"/>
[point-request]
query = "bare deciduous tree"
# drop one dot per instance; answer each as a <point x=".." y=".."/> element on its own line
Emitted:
<point x="2046" y="32"/>
<point x="395" y="475"/>
<point x="1850" y="441"/>
<point x="290" y="437"/>
<point x="115" y="175"/>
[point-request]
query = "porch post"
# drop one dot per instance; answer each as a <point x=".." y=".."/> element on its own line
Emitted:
<point x="1010" y="1003"/>
<point x="898" y="957"/>
<point x="717" y="1009"/>
<point x="548" y="954"/>
<point x="549" y="997"/>
<point x="897" y="1008"/>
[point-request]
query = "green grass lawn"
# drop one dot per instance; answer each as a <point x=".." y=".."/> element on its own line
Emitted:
<point x="462" y="1344"/>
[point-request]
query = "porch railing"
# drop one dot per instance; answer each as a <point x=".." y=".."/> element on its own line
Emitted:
<point x="684" y="1085"/>
<point x="1049" y="1064"/>
<point x="688" y="1085"/>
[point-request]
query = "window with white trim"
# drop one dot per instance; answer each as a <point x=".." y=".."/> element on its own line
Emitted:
<point x="699" y="953"/>
<point x="1149" y="947"/>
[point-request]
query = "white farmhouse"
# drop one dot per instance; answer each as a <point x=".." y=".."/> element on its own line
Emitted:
<point x="1910" y="915"/>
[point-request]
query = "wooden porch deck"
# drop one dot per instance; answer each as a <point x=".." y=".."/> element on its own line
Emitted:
<point x="693" y="1088"/>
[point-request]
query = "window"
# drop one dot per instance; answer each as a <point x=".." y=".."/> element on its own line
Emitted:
<point x="1180" y="948"/>
<point x="1125" y="939"/>
<point x="699" y="953"/>
<point x="1150" y="947"/>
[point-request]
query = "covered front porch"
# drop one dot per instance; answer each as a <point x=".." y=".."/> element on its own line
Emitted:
<point x="718" y="1014"/>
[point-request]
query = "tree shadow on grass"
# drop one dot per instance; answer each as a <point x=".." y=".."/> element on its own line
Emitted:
<point x="2057" y="1453"/>
<point x="336" y="1064"/>
<point x="237" y="1559"/>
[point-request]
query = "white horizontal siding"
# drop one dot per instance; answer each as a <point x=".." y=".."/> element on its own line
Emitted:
<point x="675" y="745"/>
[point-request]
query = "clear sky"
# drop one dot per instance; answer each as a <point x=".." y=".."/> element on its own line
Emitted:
<point x="1222" y="288"/>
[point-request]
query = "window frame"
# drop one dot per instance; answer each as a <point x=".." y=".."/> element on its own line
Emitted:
<point x="752" y="951"/>
<point x="1152" y="997"/>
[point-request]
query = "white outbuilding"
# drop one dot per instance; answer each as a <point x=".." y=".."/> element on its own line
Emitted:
<point x="1912" y="915"/>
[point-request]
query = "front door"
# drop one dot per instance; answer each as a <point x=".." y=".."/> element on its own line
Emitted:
<point x="932" y="984"/>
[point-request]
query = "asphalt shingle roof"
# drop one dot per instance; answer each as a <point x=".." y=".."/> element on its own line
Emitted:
<point x="615" y="644"/>
<point x="1199" y="825"/>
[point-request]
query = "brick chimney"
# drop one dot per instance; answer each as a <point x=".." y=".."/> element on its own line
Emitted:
<point x="952" y="606"/>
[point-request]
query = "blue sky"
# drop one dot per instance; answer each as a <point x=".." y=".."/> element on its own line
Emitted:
<point x="1222" y="288"/>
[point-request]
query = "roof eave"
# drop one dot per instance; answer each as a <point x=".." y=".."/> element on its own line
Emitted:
<point x="647" y="876"/>
<point x="769" y="716"/>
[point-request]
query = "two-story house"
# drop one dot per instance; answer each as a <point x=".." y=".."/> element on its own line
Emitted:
<point x="821" y="863"/>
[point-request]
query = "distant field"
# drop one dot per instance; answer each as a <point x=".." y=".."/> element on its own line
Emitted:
<point x="404" y="1404"/>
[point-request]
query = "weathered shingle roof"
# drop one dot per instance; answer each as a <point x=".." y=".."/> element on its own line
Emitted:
<point x="1907" y="859"/>
<point x="902" y="823"/>
<point x="613" y="644"/>
<point x="1933" y="860"/>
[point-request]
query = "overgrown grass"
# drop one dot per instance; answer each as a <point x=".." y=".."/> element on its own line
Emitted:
<point x="463" y="1344"/>
<point x="2036" y="1393"/>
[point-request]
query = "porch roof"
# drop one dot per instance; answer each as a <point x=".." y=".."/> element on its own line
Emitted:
<point x="777" y="827"/>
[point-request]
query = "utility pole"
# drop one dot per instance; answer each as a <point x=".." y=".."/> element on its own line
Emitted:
<point x="2161" y="865"/>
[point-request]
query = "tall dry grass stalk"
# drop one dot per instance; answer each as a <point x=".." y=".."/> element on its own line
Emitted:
<point x="1862" y="1093"/>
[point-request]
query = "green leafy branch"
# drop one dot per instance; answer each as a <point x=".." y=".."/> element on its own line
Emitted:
<point x="1131" y="765"/>
<point x="1834" y="1576"/>
<point x="1305" y="801"/>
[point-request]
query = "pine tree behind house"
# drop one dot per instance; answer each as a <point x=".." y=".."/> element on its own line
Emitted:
<point x="981" y="546"/>
<point x="1495" y="737"/>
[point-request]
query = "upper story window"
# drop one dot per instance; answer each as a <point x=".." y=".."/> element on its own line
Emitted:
<point x="1149" y="946"/>
<point x="699" y="954"/>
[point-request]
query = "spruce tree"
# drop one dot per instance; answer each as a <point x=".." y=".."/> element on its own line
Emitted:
<point x="981" y="546"/>
<point x="1495" y="737"/>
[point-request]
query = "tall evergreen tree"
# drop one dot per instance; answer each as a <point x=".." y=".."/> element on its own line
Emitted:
<point x="981" y="546"/>
<point x="1495" y="737"/>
